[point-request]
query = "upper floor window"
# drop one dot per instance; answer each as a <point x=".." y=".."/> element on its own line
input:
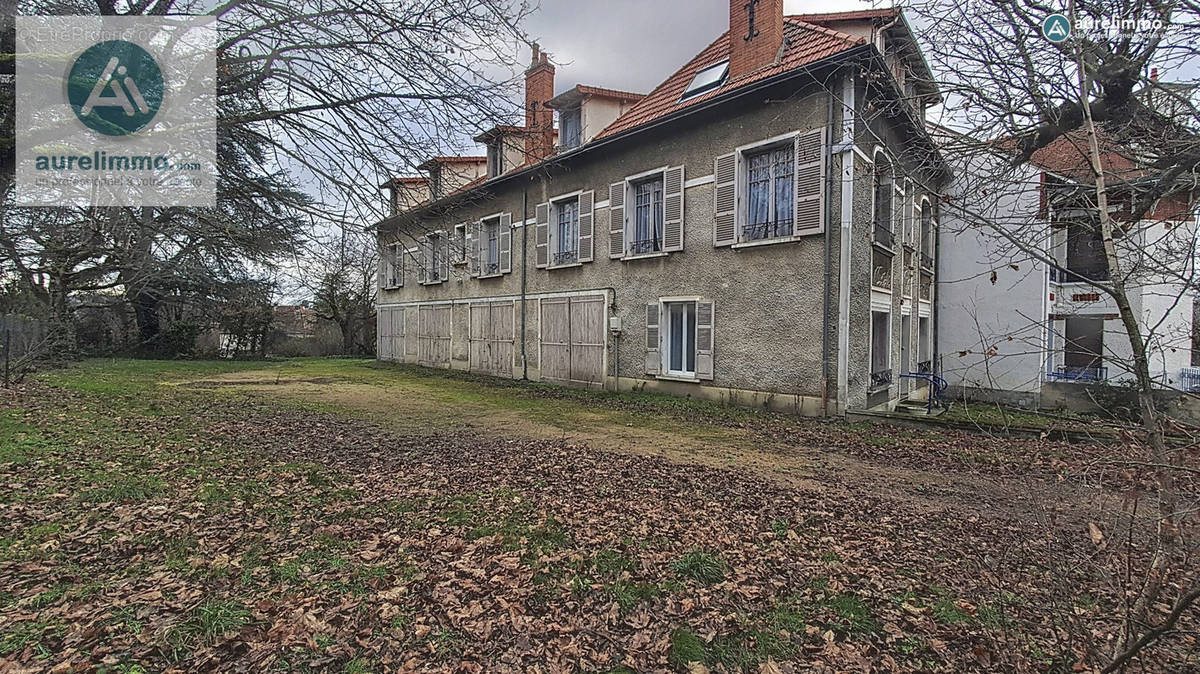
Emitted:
<point x="883" y="190"/>
<point x="490" y="247"/>
<point x="647" y="216"/>
<point x="391" y="266"/>
<point x="495" y="158"/>
<point x="434" y="258"/>
<point x="566" y="231"/>
<point x="435" y="183"/>
<point x="926" y="234"/>
<point x="570" y="127"/>
<point x="459" y="250"/>
<point x="770" y="193"/>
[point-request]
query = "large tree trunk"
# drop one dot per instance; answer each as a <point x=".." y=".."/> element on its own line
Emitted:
<point x="145" y="311"/>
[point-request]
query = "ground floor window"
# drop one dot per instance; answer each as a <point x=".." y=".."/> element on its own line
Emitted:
<point x="1083" y="349"/>
<point x="924" y="346"/>
<point x="881" y="372"/>
<point x="681" y="338"/>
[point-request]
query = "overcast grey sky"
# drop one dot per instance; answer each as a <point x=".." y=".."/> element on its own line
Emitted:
<point x="634" y="45"/>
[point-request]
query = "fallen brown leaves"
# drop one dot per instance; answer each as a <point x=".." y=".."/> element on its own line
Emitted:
<point x="236" y="534"/>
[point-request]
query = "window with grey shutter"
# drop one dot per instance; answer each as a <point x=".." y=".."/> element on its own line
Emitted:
<point x="421" y="253"/>
<point x="673" y="209"/>
<point x="541" y="235"/>
<point x="397" y="263"/>
<point x="443" y="242"/>
<point x="474" y="237"/>
<point x="587" y="228"/>
<point x="653" y="357"/>
<point x="505" y="243"/>
<point x="381" y="271"/>
<point x="725" y="200"/>
<point x="810" y="182"/>
<point x="616" y="220"/>
<point x="704" y="340"/>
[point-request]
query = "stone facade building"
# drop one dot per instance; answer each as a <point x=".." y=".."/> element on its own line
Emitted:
<point x="758" y="229"/>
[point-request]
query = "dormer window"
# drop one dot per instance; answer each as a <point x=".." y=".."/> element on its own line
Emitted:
<point x="570" y="127"/>
<point x="495" y="158"/>
<point x="435" y="182"/>
<point x="706" y="80"/>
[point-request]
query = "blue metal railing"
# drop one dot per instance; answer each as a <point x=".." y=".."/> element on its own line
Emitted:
<point x="1189" y="378"/>
<point x="936" y="386"/>
<point x="1075" y="373"/>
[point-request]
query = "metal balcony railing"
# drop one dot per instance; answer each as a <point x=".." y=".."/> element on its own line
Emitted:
<point x="884" y="236"/>
<point x="566" y="257"/>
<point x="1078" y="274"/>
<point x="925" y="367"/>
<point x="881" y="379"/>
<point x="1077" y="373"/>
<point x="766" y="230"/>
<point x="491" y="268"/>
<point x="1189" y="379"/>
<point x="644" y="246"/>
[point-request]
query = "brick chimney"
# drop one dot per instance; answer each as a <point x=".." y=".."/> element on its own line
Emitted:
<point x="539" y="119"/>
<point x="755" y="35"/>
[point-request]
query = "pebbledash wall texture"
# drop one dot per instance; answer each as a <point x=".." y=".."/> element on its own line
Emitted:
<point x="769" y="301"/>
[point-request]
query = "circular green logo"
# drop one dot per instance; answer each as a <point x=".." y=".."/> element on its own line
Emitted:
<point x="115" y="88"/>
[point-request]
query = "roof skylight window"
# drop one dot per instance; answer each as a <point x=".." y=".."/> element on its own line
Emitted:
<point x="706" y="79"/>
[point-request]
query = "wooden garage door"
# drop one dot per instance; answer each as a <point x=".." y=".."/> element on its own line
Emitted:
<point x="492" y="338"/>
<point x="390" y="332"/>
<point x="573" y="339"/>
<point x="434" y="336"/>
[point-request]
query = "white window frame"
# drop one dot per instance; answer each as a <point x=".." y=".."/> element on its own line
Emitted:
<point x="631" y="211"/>
<point x="577" y="111"/>
<point x="433" y="240"/>
<point x="879" y="150"/>
<point x="552" y="229"/>
<point x="887" y="349"/>
<point x="742" y="181"/>
<point x="495" y="154"/>
<point x="664" y="338"/>
<point x="921" y="230"/>
<point x="483" y="247"/>
<point x="460" y="240"/>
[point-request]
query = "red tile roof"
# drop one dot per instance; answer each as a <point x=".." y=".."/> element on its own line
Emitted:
<point x="1070" y="156"/>
<point x="807" y="43"/>
<point x="459" y="160"/>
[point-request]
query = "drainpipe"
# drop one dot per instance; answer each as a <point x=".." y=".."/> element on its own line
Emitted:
<point x="524" y="271"/>
<point x="846" y="149"/>
<point x="825" y="303"/>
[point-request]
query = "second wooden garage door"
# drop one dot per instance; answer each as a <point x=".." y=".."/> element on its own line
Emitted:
<point x="492" y="338"/>
<point x="573" y="339"/>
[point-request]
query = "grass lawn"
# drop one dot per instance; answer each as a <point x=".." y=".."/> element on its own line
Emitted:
<point x="342" y="515"/>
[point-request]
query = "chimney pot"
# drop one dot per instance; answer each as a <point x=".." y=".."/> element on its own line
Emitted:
<point x="1154" y="74"/>
<point x="539" y="119"/>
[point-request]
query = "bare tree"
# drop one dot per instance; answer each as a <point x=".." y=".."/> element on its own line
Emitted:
<point x="1129" y="167"/>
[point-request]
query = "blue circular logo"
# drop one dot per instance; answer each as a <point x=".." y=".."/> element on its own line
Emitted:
<point x="1056" y="28"/>
<point x="115" y="88"/>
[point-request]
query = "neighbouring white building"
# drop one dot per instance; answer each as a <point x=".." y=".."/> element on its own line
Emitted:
<point x="1019" y="321"/>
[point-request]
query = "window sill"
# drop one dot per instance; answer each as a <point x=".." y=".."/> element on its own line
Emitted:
<point x="391" y="287"/>
<point x="644" y="256"/>
<point x="565" y="266"/>
<point x="764" y="242"/>
<point x="890" y="250"/>
<point x="487" y="276"/>
<point x="880" y="289"/>
<point x="678" y="377"/>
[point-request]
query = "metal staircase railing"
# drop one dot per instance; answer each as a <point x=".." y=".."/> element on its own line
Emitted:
<point x="936" y="386"/>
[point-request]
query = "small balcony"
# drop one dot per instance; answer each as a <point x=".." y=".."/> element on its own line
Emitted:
<point x="1089" y="373"/>
<point x="925" y="367"/>
<point x="1078" y="274"/>
<point x="645" y="246"/>
<point x="566" y="257"/>
<point x="881" y="379"/>
<point x="1189" y="379"/>
<point x="766" y="230"/>
<point x="491" y="269"/>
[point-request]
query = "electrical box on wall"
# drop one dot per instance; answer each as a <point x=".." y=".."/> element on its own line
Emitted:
<point x="614" y="323"/>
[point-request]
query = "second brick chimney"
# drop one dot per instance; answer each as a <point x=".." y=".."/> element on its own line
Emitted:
<point x="539" y="119"/>
<point x="755" y="35"/>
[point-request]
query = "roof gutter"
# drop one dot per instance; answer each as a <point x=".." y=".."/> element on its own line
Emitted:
<point x="864" y="49"/>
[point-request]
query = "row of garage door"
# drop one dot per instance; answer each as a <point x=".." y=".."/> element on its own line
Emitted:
<point x="571" y="347"/>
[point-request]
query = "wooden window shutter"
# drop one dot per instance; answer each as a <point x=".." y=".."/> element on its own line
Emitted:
<point x="725" y="199"/>
<point x="398" y="265"/>
<point x="381" y="271"/>
<point x="541" y="236"/>
<point x="505" y="243"/>
<point x="898" y="209"/>
<point x="704" y="340"/>
<point x="444" y="271"/>
<point x="673" y="209"/>
<point x="810" y="182"/>
<point x="616" y="220"/>
<point x="587" y="201"/>
<point x="653" y="355"/>
<point x="474" y="236"/>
